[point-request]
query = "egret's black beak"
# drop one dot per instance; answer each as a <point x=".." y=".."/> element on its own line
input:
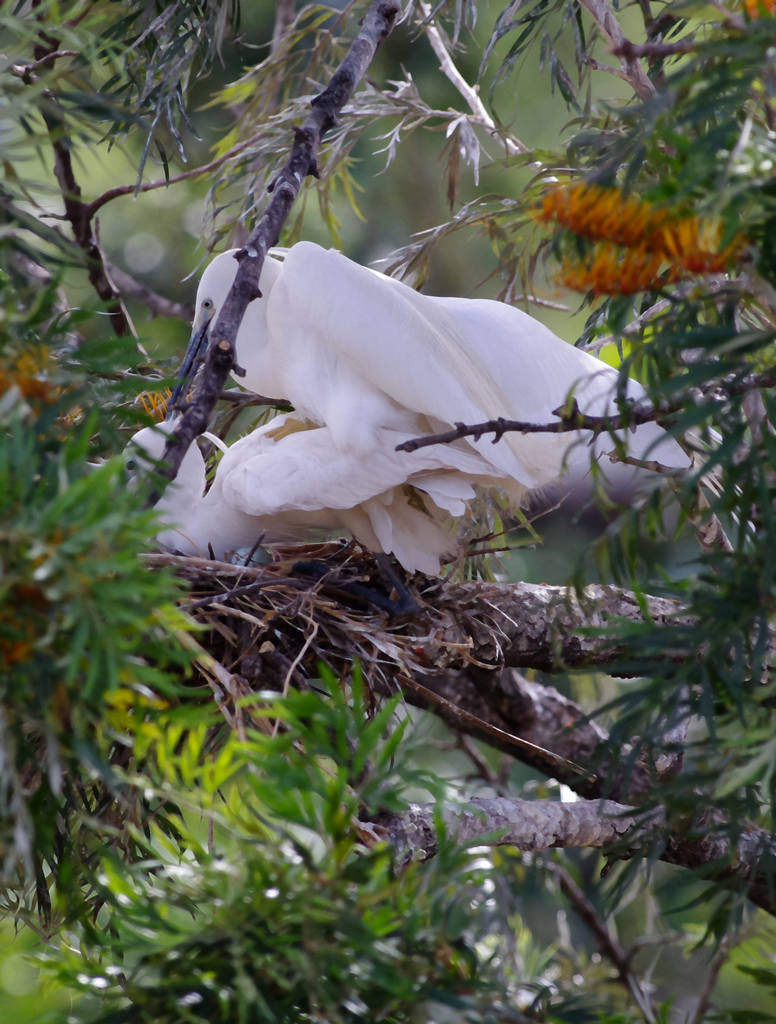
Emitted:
<point x="192" y="360"/>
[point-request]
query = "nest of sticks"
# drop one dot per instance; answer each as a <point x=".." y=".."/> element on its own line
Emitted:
<point x="270" y="627"/>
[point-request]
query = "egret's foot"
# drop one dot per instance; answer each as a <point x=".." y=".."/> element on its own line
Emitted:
<point x="291" y="426"/>
<point x="404" y="605"/>
<point x="405" y="602"/>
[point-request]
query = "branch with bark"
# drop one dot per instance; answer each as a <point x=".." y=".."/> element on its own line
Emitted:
<point x="219" y="361"/>
<point x="533" y="825"/>
<point x="452" y="658"/>
<point x="571" y="419"/>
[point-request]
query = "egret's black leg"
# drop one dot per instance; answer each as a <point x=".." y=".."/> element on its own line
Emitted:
<point x="405" y="605"/>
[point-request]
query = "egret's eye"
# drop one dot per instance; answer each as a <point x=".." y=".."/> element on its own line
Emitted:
<point x="131" y="465"/>
<point x="207" y="303"/>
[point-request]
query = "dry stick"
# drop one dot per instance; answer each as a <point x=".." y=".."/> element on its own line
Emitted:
<point x="609" y="946"/>
<point x="513" y="145"/>
<point x="550" y="761"/>
<point x="572" y="419"/>
<point x="378" y="22"/>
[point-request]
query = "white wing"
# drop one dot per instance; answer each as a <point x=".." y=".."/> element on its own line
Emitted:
<point x="306" y="470"/>
<point x="361" y="350"/>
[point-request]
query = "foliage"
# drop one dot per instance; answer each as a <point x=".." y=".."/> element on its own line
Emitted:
<point x="178" y="869"/>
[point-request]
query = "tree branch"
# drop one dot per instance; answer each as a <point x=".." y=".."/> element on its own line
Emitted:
<point x="76" y="210"/>
<point x="607" y="943"/>
<point x="158" y="305"/>
<point x="571" y="419"/>
<point x="532" y="825"/>
<point x="606" y="19"/>
<point x="194" y="172"/>
<point x="469" y="93"/>
<point x="529" y="825"/>
<point x="378" y="22"/>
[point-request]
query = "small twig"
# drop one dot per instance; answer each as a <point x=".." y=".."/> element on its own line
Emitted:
<point x="631" y="50"/>
<point x="572" y="419"/>
<point x="158" y="305"/>
<point x="704" y="1000"/>
<point x="568" y="422"/>
<point x="194" y="172"/>
<point x="470" y="94"/>
<point x="609" y="946"/>
<point x="27" y="71"/>
<point x="596" y="65"/>
<point x="606" y="19"/>
<point x="284" y="16"/>
<point x="635" y="325"/>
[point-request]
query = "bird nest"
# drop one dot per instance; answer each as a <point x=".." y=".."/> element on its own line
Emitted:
<point x="270" y="627"/>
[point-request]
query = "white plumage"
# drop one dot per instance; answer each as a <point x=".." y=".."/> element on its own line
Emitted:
<point x="358" y="352"/>
<point x="368" y="363"/>
<point x="283" y="489"/>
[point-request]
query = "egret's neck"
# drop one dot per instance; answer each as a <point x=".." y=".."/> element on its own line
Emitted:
<point x="255" y="352"/>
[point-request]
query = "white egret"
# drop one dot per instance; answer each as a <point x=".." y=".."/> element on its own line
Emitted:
<point x="282" y="487"/>
<point x="359" y="352"/>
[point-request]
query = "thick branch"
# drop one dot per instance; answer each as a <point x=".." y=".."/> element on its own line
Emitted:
<point x="531" y="825"/>
<point x="378" y="22"/>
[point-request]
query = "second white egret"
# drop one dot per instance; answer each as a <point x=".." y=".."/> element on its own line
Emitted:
<point x="276" y="486"/>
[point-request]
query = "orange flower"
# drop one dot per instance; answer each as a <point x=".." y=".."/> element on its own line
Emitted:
<point x="599" y="213"/>
<point x="154" y="403"/>
<point x="633" y="239"/>
<point x="611" y="270"/>
<point x="760" y="8"/>
<point x="28" y="373"/>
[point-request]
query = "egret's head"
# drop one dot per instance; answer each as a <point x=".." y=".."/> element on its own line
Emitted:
<point x="214" y="286"/>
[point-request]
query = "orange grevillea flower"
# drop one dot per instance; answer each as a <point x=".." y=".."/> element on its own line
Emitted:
<point x="634" y="238"/>
<point x="154" y="403"/>
<point x="610" y="270"/>
<point x="760" y="8"/>
<point x="599" y="213"/>
<point x="27" y="373"/>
